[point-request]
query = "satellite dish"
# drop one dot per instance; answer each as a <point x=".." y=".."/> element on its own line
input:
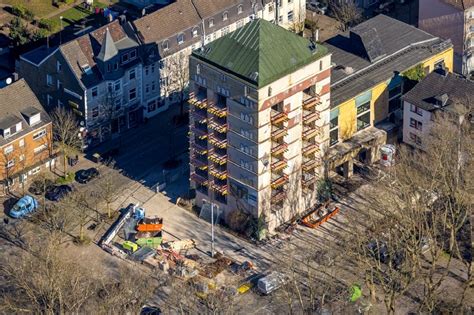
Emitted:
<point x="9" y="81"/>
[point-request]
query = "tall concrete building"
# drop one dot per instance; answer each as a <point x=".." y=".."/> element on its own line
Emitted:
<point x="259" y="121"/>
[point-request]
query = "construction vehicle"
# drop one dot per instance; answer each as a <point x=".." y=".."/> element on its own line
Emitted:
<point x="319" y="215"/>
<point x="130" y="246"/>
<point x="150" y="225"/>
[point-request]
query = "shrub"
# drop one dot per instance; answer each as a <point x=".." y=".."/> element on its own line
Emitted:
<point x="324" y="190"/>
<point x="49" y="24"/>
<point x="23" y="12"/>
<point x="39" y="34"/>
<point x="65" y="180"/>
<point x="237" y="220"/>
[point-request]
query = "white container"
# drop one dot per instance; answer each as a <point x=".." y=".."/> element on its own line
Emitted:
<point x="387" y="155"/>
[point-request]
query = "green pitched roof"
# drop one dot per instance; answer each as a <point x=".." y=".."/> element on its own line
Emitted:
<point x="260" y="52"/>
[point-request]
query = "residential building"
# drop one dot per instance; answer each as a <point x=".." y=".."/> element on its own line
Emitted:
<point x="367" y="81"/>
<point x="26" y="135"/>
<point x="259" y="121"/>
<point x="123" y="72"/>
<point x="439" y="92"/>
<point x="97" y="75"/>
<point x="453" y="19"/>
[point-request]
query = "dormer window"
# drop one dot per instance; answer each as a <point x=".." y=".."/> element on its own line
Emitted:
<point x="180" y="39"/>
<point x="86" y="69"/>
<point x="225" y="16"/>
<point x="6" y="133"/>
<point x="211" y="22"/>
<point x="239" y="9"/>
<point x="165" y="45"/>
<point x="133" y="54"/>
<point x="124" y="58"/>
<point x="33" y="120"/>
<point x="195" y="32"/>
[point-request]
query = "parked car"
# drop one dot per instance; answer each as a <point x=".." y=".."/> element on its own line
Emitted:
<point x="380" y="251"/>
<point x="317" y="7"/>
<point x="40" y="187"/>
<point x="85" y="176"/>
<point x="58" y="192"/>
<point x="24" y="206"/>
<point x="271" y="282"/>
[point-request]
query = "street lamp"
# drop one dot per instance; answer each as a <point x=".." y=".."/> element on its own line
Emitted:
<point x="212" y="224"/>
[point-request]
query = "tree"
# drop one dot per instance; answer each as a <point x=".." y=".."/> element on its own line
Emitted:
<point x="346" y="12"/>
<point x="65" y="134"/>
<point x="19" y="33"/>
<point x="107" y="186"/>
<point x="178" y="76"/>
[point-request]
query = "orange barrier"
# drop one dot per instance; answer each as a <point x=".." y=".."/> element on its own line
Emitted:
<point x="314" y="223"/>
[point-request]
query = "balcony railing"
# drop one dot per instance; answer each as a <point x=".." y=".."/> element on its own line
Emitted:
<point x="309" y="165"/>
<point x="310" y="117"/>
<point x="220" y="128"/>
<point x="279" y="133"/>
<point x="279" y="182"/>
<point x="222" y="175"/>
<point x="197" y="100"/>
<point x="310" y="149"/>
<point x="279" y="165"/>
<point x="222" y="144"/>
<point x="218" y="158"/>
<point x="279" y="149"/>
<point x="199" y="179"/>
<point x="199" y="163"/>
<point x="310" y="101"/>
<point x="310" y="133"/>
<point x="199" y="114"/>
<point x="199" y="148"/>
<point x="308" y="180"/>
<point x="278" y="117"/>
<point x="217" y="111"/>
<point x="278" y="196"/>
<point x="222" y="189"/>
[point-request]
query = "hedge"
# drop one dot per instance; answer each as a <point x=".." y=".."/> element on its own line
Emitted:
<point x="23" y="12"/>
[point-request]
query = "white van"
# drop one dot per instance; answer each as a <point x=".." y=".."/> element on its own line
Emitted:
<point x="271" y="282"/>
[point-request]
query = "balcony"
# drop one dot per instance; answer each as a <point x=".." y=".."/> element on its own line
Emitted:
<point x="308" y="179"/>
<point x="217" y="126"/>
<point x="222" y="175"/>
<point x="278" y="133"/>
<point x="198" y="162"/>
<point x="309" y="165"/>
<point x="199" y="179"/>
<point x="199" y="114"/>
<point x="278" y="117"/>
<point x="278" y="196"/>
<point x="221" y="144"/>
<point x="279" y="182"/>
<point x="310" y="117"/>
<point x="310" y="101"/>
<point x="222" y="189"/>
<point x="279" y="165"/>
<point x="218" y="158"/>
<point x="310" y="149"/>
<point x="279" y="149"/>
<point x="200" y="147"/>
<point x="310" y="133"/>
<point x="217" y="111"/>
<point x="197" y="100"/>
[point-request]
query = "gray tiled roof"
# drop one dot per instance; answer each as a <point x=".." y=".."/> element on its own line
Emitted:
<point x="435" y="84"/>
<point x="17" y="101"/>
<point x="108" y="49"/>
<point x="402" y="46"/>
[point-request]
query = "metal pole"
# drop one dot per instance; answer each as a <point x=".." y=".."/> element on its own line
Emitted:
<point x="212" y="229"/>
<point x="61" y="31"/>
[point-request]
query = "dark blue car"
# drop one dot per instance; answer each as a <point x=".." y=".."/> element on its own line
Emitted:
<point x="24" y="206"/>
<point x="59" y="192"/>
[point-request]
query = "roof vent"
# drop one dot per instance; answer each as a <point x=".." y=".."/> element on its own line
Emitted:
<point x="441" y="100"/>
<point x="313" y="47"/>
<point x="348" y="70"/>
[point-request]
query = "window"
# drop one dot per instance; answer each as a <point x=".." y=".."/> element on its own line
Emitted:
<point x="439" y="64"/>
<point x="41" y="148"/>
<point x="21" y="143"/>
<point x="110" y="87"/>
<point x="246" y="134"/>
<point x="8" y="149"/>
<point x="124" y="58"/>
<point x="334" y="126"/>
<point x="334" y="122"/>
<point x="246" y="117"/>
<point x="195" y="32"/>
<point x="363" y="108"/>
<point x="58" y="66"/>
<point x="363" y="121"/>
<point x="40" y="134"/>
<point x="416" y="110"/>
<point x="95" y="92"/>
<point x="180" y="39"/>
<point x="59" y="85"/>
<point x="211" y="22"/>
<point x="132" y="74"/>
<point x="270" y="8"/>
<point x="132" y="94"/>
<point x="418" y="125"/>
<point x="395" y="91"/>
<point x="49" y="79"/>
<point x="153" y="86"/>
<point x="240" y="23"/>
<point x="416" y="139"/>
<point x="116" y="66"/>
<point x="394" y="97"/>
<point x="247" y="102"/>
<point x="133" y="54"/>
<point x="225" y="30"/>
<point x="165" y="45"/>
<point x="147" y="88"/>
<point x="394" y="104"/>
<point x="6" y="132"/>
<point x="151" y="106"/>
<point x="269" y="91"/>
<point x="290" y="16"/>
<point x="117" y="85"/>
<point x="334" y="136"/>
<point x="118" y="103"/>
<point x="290" y="1"/>
<point x="95" y="112"/>
<point x="280" y="19"/>
<point x="146" y="70"/>
<point x="49" y="99"/>
<point x="11" y="163"/>
<point x="239" y="9"/>
<point x="225" y="16"/>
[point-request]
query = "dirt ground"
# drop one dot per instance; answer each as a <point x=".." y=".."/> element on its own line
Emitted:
<point x="328" y="27"/>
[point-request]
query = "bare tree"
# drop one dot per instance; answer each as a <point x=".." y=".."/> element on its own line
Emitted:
<point x="178" y="77"/>
<point x="346" y="12"/>
<point x="65" y="134"/>
<point x="107" y="185"/>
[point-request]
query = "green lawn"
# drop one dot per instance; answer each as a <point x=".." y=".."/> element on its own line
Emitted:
<point x="39" y="7"/>
<point x="76" y="14"/>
